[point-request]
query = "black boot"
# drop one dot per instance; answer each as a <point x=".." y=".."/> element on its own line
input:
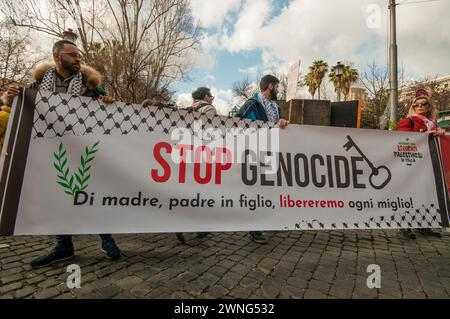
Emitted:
<point x="408" y="233"/>
<point x="62" y="251"/>
<point x="429" y="232"/>
<point x="109" y="247"/>
<point x="180" y="238"/>
<point x="258" y="237"/>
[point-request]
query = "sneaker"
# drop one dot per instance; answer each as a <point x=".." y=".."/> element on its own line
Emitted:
<point x="258" y="237"/>
<point x="429" y="232"/>
<point x="202" y="234"/>
<point x="57" y="254"/>
<point x="408" y="233"/>
<point x="111" y="250"/>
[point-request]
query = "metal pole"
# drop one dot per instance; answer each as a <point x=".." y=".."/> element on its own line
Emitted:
<point x="339" y="90"/>
<point x="393" y="64"/>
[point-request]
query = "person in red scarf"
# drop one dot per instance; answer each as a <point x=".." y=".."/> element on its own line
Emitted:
<point x="421" y="118"/>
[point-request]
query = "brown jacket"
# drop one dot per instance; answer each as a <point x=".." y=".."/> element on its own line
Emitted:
<point x="204" y="107"/>
<point x="92" y="79"/>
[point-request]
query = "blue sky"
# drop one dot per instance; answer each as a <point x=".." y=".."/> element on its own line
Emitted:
<point x="244" y="38"/>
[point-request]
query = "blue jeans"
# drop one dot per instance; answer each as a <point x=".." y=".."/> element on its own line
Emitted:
<point x="65" y="241"/>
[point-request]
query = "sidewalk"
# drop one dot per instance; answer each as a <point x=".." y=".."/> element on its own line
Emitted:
<point x="323" y="264"/>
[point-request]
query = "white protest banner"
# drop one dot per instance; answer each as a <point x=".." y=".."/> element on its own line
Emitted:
<point x="293" y="75"/>
<point x="76" y="166"/>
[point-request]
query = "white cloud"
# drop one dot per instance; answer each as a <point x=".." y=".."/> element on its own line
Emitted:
<point x="250" y="70"/>
<point x="247" y="27"/>
<point x="338" y="31"/>
<point x="184" y="100"/>
<point x="224" y="100"/>
<point x="212" y="13"/>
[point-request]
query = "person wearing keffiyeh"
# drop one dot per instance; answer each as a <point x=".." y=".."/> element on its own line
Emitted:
<point x="67" y="75"/>
<point x="263" y="107"/>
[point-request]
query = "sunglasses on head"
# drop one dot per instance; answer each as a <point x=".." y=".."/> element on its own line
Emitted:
<point x="425" y="104"/>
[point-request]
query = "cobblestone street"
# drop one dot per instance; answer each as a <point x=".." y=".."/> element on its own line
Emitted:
<point x="324" y="264"/>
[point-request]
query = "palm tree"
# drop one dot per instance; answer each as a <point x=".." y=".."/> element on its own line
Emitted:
<point x="349" y="76"/>
<point x="334" y="78"/>
<point x="311" y="83"/>
<point x="319" y="68"/>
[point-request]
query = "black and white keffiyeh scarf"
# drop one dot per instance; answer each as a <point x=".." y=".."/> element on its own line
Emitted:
<point x="49" y="82"/>
<point x="271" y="108"/>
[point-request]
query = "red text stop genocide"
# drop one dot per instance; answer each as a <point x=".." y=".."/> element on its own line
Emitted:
<point x="210" y="159"/>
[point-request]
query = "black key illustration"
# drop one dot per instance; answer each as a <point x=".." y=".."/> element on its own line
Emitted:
<point x="379" y="174"/>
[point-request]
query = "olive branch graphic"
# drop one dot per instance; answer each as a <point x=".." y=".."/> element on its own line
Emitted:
<point x="77" y="181"/>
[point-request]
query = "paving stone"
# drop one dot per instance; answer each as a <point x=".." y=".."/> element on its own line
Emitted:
<point x="320" y="286"/>
<point x="249" y="282"/>
<point x="196" y="287"/>
<point x="48" y="283"/>
<point x="25" y="292"/>
<point x="128" y="282"/>
<point x="9" y="279"/>
<point x="256" y="274"/>
<point x="11" y="259"/>
<point x="67" y="296"/>
<point x="183" y="295"/>
<point x="313" y="294"/>
<point x="230" y="280"/>
<point x="217" y="291"/>
<point x="314" y="264"/>
<point x="269" y="288"/>
<point x="109" y="291"/>
<point x="11" y="265"/>
<point x="412" y="294"/>
<point x="241" y="292"/>
<point x="47" y="293"/>
<point x="11" y="287"/>
<point x="293" y="292"/>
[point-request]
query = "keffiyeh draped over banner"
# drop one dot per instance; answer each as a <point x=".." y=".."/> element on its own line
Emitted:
<point x="73" y="165"/>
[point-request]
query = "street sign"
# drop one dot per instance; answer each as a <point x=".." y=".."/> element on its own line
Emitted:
<point x="293" y="75"/>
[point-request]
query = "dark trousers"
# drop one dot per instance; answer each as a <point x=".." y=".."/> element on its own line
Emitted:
<point x="65" y="241"/>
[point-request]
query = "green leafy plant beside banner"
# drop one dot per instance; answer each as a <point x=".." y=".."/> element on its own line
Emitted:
<point x="72" y="183"/>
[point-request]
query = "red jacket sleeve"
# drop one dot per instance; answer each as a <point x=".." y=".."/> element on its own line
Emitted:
<point x="404" y="125"/>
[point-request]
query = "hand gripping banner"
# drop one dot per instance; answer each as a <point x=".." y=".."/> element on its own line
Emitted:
<point x="73" y="165"/>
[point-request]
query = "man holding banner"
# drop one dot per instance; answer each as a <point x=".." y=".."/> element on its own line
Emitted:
<point x="68" y="75"/>
<point x="263" y="107"/>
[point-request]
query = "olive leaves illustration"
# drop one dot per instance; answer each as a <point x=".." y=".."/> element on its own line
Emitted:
<point x="79" y="180"/>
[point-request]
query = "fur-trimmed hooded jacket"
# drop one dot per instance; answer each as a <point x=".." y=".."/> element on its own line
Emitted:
<point x="92" y="80"/>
